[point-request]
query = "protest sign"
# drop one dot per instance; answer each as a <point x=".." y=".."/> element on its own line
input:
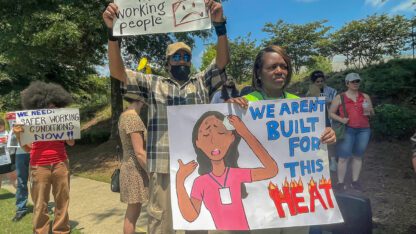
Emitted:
<point x="138" y="17"/>
<point x="49" y="124"/>
<point x="4" y="152"/>
<point x="260" y="168"/>
<point x="11" y="140"/>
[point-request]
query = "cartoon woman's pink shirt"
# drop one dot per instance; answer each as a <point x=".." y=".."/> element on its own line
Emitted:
<point x="207" y="187"/>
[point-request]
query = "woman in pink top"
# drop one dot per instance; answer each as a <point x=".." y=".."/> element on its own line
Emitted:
<point x="357" y="134"/>
<point x="221" y="184"/>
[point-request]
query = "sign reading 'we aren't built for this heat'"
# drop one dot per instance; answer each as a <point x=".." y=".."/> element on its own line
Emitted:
<point x="49" y="124"/>
<point x="138" y="17"/>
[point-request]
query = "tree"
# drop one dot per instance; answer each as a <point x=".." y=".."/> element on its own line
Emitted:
<point x="57" y="41"/>
<point x="242" y="53"/>
<point x="62" y="41"/>
<point x="319" y="63"/>
<point x="366" y="41"/>
<point x="301" y="41"/>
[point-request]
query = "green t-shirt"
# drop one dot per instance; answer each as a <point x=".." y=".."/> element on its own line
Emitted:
<point x="258" y="96"/>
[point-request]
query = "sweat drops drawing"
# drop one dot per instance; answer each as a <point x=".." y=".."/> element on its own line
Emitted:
<point x="220" y="185"/>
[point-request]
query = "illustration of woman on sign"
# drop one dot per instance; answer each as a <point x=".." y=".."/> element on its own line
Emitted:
<point x="221" y="182"/>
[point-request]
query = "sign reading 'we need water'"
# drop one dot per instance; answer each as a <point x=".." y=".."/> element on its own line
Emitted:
<point x="49" y="124"/>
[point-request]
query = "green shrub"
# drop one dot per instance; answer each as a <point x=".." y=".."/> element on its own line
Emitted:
<point x="392" y="121"/>
<point x="94" y="136"/>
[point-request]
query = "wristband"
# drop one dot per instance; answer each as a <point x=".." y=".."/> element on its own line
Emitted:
<point x="111" y="37"/>
<point x="220" y="28"/>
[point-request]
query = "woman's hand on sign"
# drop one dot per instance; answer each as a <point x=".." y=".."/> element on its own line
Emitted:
<point x="17" y="129"/>
<point x="185" y="169"/>
<point x="216" y="10"/>
<point x="241" y="101"/>
<point x="109" y="14"/>
<point x="328" y="137"/>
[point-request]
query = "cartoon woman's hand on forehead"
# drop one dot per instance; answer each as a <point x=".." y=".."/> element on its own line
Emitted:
<point x="238" y="124"/>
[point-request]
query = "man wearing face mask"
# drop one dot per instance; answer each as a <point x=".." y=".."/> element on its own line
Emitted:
<point x="228" y="90"/>
<point x="159" y="92"/>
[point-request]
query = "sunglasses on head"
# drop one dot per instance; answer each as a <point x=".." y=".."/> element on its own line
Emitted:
<point x="177" y="57"/>
<point x="355" y="81"/>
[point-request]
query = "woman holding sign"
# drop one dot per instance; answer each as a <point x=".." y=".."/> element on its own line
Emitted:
<point x="272" y="73"/>
<point x="49" y="166"/>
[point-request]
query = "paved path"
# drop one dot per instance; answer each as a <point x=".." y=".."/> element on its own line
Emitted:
<point x="94" y="209"/>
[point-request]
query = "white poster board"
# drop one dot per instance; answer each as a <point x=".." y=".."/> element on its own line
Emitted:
<point x="12" y="141"/>
<point x="49" y="124"/>
<point x="138" y="17"/>
<point x="287" y="133"/>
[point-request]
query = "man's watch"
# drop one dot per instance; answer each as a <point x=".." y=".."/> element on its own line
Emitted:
<point x="220" y="23"/>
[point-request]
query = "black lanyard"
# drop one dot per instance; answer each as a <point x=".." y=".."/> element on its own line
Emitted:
<point x="225" y="181"/>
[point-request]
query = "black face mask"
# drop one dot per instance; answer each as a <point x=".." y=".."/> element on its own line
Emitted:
<point x="180" y="72"/>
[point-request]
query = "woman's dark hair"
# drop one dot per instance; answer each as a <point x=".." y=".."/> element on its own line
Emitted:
<point x="258" y="65"/>
<point x="231" y="157"/>
<point x="317" y="74"/>
<point x="224" y="92"/>
<point x="2" y="122"/>
<point x="39" y="95"/>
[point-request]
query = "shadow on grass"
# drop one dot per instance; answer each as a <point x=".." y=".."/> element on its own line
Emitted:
<point x="6" y="196"/>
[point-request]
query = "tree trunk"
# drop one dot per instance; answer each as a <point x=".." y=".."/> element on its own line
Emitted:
<point x="116" y="107"/>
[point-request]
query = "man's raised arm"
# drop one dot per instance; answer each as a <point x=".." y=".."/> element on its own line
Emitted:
<point x="218" y="20"/>
<point x="115" y="61"/>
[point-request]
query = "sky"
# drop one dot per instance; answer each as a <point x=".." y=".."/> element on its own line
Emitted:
<point x="250" y="16"/>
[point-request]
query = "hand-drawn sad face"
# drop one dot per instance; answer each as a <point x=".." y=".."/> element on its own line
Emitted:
<point x="214" y="139"/>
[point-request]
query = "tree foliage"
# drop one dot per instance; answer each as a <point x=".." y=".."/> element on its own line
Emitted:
<point x="366" y="41"/>
<point x="301" y="41"/>
<point x="51" y="40"/>
<point x="242" y="53"/>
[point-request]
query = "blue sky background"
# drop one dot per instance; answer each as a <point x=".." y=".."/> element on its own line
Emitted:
<point x="250" y="16"/>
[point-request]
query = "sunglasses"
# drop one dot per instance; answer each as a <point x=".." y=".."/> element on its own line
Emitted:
<point x="177" y="57"/>
<point x="355" y="81"/>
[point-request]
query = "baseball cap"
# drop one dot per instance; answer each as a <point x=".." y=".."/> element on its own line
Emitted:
<point x="172" y="48"/>
<point x="352" y="76"/>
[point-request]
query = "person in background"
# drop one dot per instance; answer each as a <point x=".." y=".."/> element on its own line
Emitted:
<point x="49" y="165"/>
<point x="134" y="181"/>
<point x="318" y="88"/>
<point x="272" y="73"/>
<point x="357" y="130"/>
<point x="7" y="170"/>
<point x="22" y="170"/>
<point x="228" y="90"/>
<point x="413" y="140"/>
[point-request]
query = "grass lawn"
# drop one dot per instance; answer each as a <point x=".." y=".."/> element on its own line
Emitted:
<point x="7" y="211"/>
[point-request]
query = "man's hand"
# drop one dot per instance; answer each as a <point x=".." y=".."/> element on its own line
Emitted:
<point x="109" y="14"/>
<point x="216" y="10"/>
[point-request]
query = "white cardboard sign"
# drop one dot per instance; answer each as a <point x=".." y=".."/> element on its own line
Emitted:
<point x="138" y="17"/>
<point x="49" y="124"/>
<point x="272" y="149"/>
